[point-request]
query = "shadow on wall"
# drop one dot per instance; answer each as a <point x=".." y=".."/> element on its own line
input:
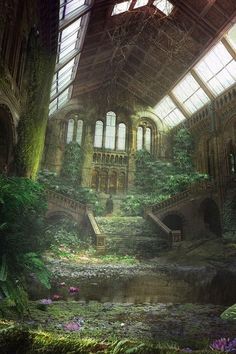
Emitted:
<point x="6" y="139"/>
<point x="211" y="217"/>
<point x="174" y="222"/>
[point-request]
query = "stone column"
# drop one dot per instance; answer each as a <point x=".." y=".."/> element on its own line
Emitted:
<point x="87" y="157"/>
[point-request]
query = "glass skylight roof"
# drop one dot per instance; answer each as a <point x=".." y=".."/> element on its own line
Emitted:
<point x="70" y="42"/>
<point x="217" y="69"/>
<point x="168" y="112"/>
<point x="67" y="7"/>
<point x="121" y="7"/>
<point x="140" y="3"/>
<point x="164" y="6"/>
<point x="189" y="93"/>
<point x="231" y="36"/>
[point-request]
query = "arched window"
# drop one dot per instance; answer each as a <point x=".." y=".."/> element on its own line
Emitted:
<point x="140" y="138"/>
<point x="110" y="135"/>
<point x="121" y="136"/>
<point x="79" y="132"/>
<point x="148" y="136"/>
<point x="98" y="134"/>
<point x="70" y="130"/>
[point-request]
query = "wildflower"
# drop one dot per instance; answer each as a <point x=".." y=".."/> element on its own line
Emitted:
<point x="63" y="284"/>
<point x="72" y="326"/>
<point x="56" y="297"/>
<point x="45" y="301"/>
<point x="73" y="290"/>
<point x="224" y="345"/>
<point x="186" y="350"/>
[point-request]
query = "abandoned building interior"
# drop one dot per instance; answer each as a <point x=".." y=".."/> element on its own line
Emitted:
<point x="119" y="79"/>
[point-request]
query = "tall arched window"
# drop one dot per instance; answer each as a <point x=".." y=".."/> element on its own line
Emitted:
<point x="121" y="136"/>
<point x="140" y="138"/>
<point x="147" y="139"/>
<point x="70" y="130"/>
<point x="110" y="135"/>
<point x="79" y="132"/>
<point x="98" y="134"/>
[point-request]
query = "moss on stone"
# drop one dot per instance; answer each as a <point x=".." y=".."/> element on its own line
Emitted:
<point x="33" y="120"/>
<point x="23" y="341"/>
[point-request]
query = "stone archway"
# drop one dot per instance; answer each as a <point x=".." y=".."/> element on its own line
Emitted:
<point x="174" y="222"/>
<point x="211" y="217"/>
<point x="6" y="139"/>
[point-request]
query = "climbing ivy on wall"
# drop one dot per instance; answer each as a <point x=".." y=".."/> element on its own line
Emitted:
<point x="32" y="125"/>
<point x="156" y="179"/>
<point x="72" y="163"/>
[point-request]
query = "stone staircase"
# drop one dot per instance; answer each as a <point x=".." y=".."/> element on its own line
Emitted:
<point x="132" y="236"/>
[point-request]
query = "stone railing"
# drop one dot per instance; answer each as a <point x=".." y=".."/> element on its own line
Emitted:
<point x="175" y="235"/>
<point x="193" y="190"/>
<point x="100" y="238"/>
<point x="66" y="202"/>
<point x="110" y="158"/>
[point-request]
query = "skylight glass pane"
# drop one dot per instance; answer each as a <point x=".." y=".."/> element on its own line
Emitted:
<point x="164" y="6"/>
<point x="217" y="69"/>
<point x="121" y="7"/>
<point x="168" y="112"/>
<point x="73" y="5"/>
<point x="165" y="106"/>
<point x="71" y="28"/>
<point x="189" y="93"/>
<point x="140" y="3"/>
<point x="231" y="36"/>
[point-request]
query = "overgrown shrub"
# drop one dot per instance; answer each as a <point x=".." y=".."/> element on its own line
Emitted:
<point x="22" y="209"/>
<point x="156" y="180"/>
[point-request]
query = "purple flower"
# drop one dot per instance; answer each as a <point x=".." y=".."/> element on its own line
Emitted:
<point x="224" y="345"/>
<point x="73" y="290"/>
<point x="72" y="326"/>
<point x="186" y="350"/>
<point x="45" y="301"/>
<point x="56" y="297"/>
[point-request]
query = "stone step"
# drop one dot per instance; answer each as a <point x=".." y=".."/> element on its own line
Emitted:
<point x="125" y="226"/>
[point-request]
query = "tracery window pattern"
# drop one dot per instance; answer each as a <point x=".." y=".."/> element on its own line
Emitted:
<point x="111" y="136"/>
<point x="74" y="130"/>
<point x="144" y="137"/>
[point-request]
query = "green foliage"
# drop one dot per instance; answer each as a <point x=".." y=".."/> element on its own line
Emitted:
<point x="229" y="314"/>
<point x="21" y="234"/>
<point x="156" y="180"/>
<point x="16" y="339"/>
<point x="72" y="164"/>
<point x="66" y="238"/>
<point x="229" y="219"/>
<point x="61" y="185"/>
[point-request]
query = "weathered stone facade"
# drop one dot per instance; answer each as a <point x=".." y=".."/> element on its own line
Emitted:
<point x="27" y="52"/>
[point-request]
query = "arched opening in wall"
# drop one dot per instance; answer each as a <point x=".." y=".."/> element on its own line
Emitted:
<point x="174" y="222"/>
<point x="211" y="217"/>
<point x="95" y="180"/>
<point x="6" y="139"/>
<point x="113" y="182"/>
<point x="121" y="182"/>
<point x="103" y="181"/>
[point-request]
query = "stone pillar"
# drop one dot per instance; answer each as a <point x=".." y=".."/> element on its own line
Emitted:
<point x="87" y="168"/>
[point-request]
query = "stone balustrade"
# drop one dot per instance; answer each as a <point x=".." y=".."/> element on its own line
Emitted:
<point x="65" y="202"/>
<point x="193" y="190"/>
<point x="110" y="158"/>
